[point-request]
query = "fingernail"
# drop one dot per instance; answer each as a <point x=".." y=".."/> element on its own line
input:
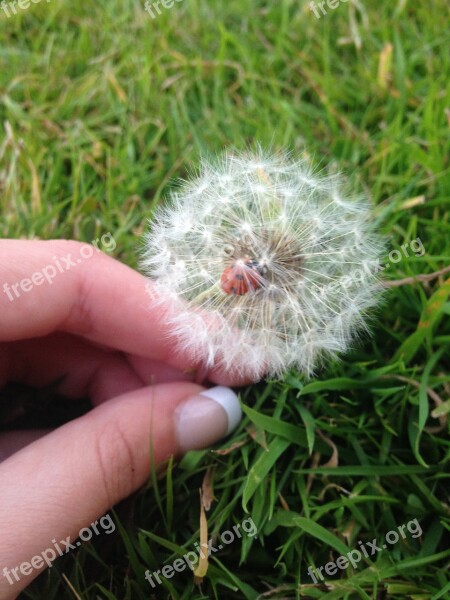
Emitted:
<point x="206" y="418"/>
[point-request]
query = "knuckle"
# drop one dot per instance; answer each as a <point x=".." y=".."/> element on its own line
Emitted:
<point x="116" y="463"/>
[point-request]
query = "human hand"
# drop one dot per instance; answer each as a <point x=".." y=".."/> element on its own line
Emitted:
<point x="90" y="325"/>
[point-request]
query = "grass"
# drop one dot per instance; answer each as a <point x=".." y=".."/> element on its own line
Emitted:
<point x="101" y="107"/>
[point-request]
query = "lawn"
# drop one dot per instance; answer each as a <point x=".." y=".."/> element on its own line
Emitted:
<point x="102" y="106"/>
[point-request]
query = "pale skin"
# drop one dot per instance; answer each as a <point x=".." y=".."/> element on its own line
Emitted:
<point x="95" y="325"/>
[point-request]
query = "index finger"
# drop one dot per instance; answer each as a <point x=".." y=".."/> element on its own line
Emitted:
<point x="62" y="285"/>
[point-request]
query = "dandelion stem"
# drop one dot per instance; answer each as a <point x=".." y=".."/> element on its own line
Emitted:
<point x="207" y="293"/>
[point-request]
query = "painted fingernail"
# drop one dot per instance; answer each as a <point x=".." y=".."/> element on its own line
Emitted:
<point x="206" y="418"/>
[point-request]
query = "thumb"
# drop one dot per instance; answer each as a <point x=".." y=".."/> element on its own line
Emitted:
<point x="63" y="482"/>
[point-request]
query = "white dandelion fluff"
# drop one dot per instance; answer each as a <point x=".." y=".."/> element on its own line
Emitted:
<point x="263" y="265"/>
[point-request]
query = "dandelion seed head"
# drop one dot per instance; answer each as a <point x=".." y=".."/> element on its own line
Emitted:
<point x="263" y="265"/>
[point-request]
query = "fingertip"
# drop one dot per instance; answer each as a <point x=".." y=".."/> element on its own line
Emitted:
<point x="207" y="417"/>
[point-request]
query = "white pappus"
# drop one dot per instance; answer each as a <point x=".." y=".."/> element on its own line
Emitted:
<point x="262" y="265"/>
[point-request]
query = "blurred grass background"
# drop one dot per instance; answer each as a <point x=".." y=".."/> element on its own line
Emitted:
<point x="101" y="106"/>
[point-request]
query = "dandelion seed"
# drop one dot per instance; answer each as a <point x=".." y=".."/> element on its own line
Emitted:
<point x="261" y="264"/>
